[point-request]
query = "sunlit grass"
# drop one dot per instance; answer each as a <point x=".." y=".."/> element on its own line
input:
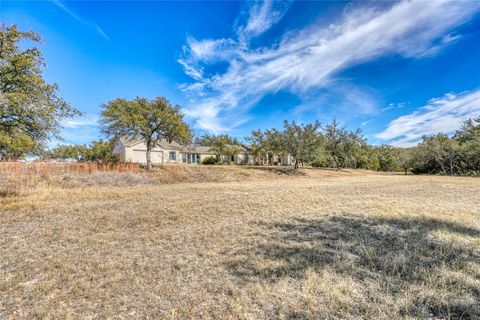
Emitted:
<point x="263" y="245"/>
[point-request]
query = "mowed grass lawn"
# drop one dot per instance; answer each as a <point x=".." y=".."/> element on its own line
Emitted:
<point x="346" y="246"/>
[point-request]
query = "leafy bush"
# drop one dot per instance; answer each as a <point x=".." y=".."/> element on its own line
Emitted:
<point x="97" y="151"/>
<point x="210" y="160"/>
<point x="321" y="162"/>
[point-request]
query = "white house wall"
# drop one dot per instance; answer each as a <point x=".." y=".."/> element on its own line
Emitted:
<point x="158" y="155"/>
<point x="243" y="158"/>
<point x="119" y="150"/>
<point x="137" y="153"/>
<point x="286" y="160"/>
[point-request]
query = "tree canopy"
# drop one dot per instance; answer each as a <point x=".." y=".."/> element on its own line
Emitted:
<point x="31" y="111"/>
<point x="300" y="141"/>
<point x="150" y="119"/>
<point x="222" y="145"/>
<point x="97" y="151"/>
<point x="265" y="144"/>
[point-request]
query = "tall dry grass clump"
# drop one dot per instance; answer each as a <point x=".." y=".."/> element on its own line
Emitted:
<point x="18" y="178"/>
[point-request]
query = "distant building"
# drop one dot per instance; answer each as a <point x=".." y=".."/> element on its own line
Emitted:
<point x="134" y="149"/>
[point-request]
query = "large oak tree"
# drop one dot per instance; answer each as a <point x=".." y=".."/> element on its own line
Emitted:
<point x="222" y="144"/>
<point x="300" y="141"/>
<point x="31" y="111"/>
<point x="152" y="120"/>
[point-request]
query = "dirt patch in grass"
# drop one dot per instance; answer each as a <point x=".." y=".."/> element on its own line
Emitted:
<point x="326" y="245"/>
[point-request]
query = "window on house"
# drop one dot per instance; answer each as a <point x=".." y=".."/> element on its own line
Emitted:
<point x="172" y="156"/>
<point x="184" y="157"/>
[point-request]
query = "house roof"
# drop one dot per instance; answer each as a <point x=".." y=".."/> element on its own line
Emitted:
<point x="129" y="141"/>
<point x="241" y="147"/>
<point x="246" y="148"/>
<point x="199" y="149"/>
<point x="173" y="145"/>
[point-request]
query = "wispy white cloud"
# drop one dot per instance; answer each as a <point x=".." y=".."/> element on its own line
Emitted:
<point x="445" y="114"/>
<point x="79" y="130"/>
<point x="211" y="50"/>
<point x="345" y="98"/>
<point x="309" y="59"/>
<point x="102" y="33"/>
<point x="88" y="120"/>
<point x="394" y="106"/>
<point x="190" y="70"/>
<point x="261" y="16"/>
<point x="91" y="25"/>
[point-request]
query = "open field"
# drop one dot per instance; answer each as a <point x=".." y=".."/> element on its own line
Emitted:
<point x="264" y="244"/>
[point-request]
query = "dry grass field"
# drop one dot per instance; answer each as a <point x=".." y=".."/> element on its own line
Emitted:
<point x="240" y="243"/>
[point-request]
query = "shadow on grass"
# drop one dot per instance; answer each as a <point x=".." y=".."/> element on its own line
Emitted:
<point x="395" y="254"/>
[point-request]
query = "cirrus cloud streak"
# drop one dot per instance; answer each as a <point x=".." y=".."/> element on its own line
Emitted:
<point x="445" y="114"/>
<point x="309" y="59"/>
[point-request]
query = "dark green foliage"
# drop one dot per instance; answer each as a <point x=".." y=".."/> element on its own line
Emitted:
<point x="321" y="163"/>
<point x="300" y="141"/>
<point x="97" y="151"/>
<point x="16" y="145"/>
<point x="65" y="152"/>
<point x="386" y="158"/>
<point x="346" y="148"/>
<point x="222" y="145"/>
<point x="265" y="144"/>
<point x="457" y="155"/>
<point x="469" y="140"/>
<point x="210" y="160"/>
<point x="100" y="151"/>
<point x="30" y="109"/>
<point x="332" y="146"/>
<point x="152" y="120"/>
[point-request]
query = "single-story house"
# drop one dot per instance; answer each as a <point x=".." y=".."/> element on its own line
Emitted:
<point x="242" y="157"/>
<point x="134" y="149"/>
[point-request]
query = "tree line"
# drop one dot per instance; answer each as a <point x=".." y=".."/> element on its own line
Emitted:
<point x="31" y="113"/>
<point x="328" y="146"/>
<point x="333" y="146"/>
<point x="96" y="151"/>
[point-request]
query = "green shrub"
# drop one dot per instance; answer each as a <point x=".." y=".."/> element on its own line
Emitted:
<point x="210" y="160"/>
<point x="317" y="163"/>
<point x="322" y="161"/>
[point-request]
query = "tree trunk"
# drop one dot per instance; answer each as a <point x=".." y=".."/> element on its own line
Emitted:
<point x="149" y="157"/>
<point x="295" y="166"/>
<point x="339" y="162"/>
<point x="335" y="162"/>
<point x="440" y="163"/>
<point x="405" y="168"/>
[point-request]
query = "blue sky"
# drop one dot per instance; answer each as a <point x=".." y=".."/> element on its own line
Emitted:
<point x="397" y="70"/>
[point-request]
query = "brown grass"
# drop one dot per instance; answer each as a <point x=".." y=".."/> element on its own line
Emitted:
<point x="262" y="245"/>
<point x="18" y="179"/>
